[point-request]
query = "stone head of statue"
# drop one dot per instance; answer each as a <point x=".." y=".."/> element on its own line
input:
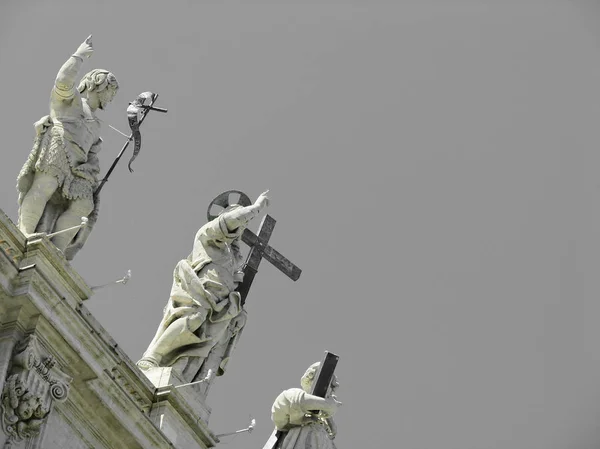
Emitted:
<point x="307" y="379"/>
<point x="27" y="406"/>
<point x="99" y="87"/>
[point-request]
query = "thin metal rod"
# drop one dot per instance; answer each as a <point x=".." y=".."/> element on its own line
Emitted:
<point x="206" y="378"/>
<point x="191" y="383"/>
<point x="123" y="281"/>
<point x="120" y="132"/>
<point x="233" y="433"/>
<point x="249" y="429"/>
<point x="84" y="221"/>
<point x="129" y="139"/>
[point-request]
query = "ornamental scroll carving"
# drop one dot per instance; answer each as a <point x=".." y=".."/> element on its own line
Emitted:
<point x="32" y="385"/>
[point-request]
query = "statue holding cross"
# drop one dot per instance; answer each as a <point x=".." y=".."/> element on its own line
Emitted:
<point x="303" y="417"/>
<point x="205" y="313"/>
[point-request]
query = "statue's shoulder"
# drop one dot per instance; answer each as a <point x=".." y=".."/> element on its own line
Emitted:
<point x="71" y="107"/>
<point x="292" y="395"/>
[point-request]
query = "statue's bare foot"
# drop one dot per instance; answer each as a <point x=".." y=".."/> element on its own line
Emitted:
<point x="147" y="363"/>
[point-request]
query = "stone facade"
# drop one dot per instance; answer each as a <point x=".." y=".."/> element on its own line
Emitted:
<point x="65" y="382"/>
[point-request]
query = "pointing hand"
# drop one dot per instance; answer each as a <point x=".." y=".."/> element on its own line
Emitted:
<point x="85" y="50"/>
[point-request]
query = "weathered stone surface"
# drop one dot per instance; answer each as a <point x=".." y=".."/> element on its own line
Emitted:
<point x="180" y="411"/>
<point x="33" y="385"/>
<point x="58" y="181"/>
<point x="303" y="417"/>
<point x="110" y="402"/>
<point x="204" y="311"/>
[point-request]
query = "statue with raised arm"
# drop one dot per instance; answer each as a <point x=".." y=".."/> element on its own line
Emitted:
<point x="204" y="315"/>
<point x="305" y="419"/>
<point x="56" y="185"/>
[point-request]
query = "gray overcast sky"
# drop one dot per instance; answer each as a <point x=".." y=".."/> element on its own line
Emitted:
<point x="433" y="170"/>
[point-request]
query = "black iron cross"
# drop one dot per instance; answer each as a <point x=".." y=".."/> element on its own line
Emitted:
<point x="259" y="249"/>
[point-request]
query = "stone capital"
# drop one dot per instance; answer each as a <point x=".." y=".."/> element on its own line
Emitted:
<point x="32" y="385"/>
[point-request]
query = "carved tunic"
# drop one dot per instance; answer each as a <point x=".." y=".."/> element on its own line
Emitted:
<point x="67" y="141"/>
<point x="66" y="150"/>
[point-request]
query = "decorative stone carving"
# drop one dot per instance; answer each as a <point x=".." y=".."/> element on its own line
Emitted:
<point x="132" y="390"/>
<point x="57" y="183"/>
<point x="33" y="384"/>
<point x="10" y="252"/>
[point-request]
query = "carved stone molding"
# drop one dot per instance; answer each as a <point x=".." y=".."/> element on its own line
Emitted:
<point x="33" y="383"/>
<point x="131" y="389"/>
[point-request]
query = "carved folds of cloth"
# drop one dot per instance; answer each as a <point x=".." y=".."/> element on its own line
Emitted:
<point x="32" y="385"/>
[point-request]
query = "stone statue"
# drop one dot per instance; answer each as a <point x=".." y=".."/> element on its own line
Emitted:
<point x="56" y="185"/>
<point x="204" y="316"/>
<point x="306" y="419"/>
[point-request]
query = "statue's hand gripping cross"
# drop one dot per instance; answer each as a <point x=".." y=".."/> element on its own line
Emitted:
<point x="258" y="243"/>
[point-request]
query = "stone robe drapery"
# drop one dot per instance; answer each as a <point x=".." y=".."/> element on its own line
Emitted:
<point x="288" y="412"/>
<point x="203" y="296"/>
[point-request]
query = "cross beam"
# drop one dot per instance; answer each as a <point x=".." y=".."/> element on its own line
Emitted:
<point x="259" y="249"/>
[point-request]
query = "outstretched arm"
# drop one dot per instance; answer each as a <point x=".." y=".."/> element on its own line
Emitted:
<point x="326" y="405"/>
<point x="241" y="216"/>
<point x="64" y="86"/>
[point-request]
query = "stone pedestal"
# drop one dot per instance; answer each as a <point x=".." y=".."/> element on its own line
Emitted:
<point x="178" y="410"/>
<point x="65" y="382"/>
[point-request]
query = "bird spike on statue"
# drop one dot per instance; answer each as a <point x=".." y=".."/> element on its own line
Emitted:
<point x="207" y="378"/>
<point x="248" y="429"/>
<point x="123" y="281"/>
<point x="84" y="222"/>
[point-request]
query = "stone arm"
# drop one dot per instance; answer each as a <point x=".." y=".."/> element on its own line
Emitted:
<point x="64" y="86"/>
<point x="240" y="217"/>
<point x="325" y="405"/>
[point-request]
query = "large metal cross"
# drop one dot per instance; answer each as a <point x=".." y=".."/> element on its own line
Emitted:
<point x="259" y="249"/>
<point x="259" y="244"/>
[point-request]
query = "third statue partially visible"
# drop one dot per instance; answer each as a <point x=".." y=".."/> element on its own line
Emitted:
<point x="56" y="185"/>
<point x="304" y="419"/>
